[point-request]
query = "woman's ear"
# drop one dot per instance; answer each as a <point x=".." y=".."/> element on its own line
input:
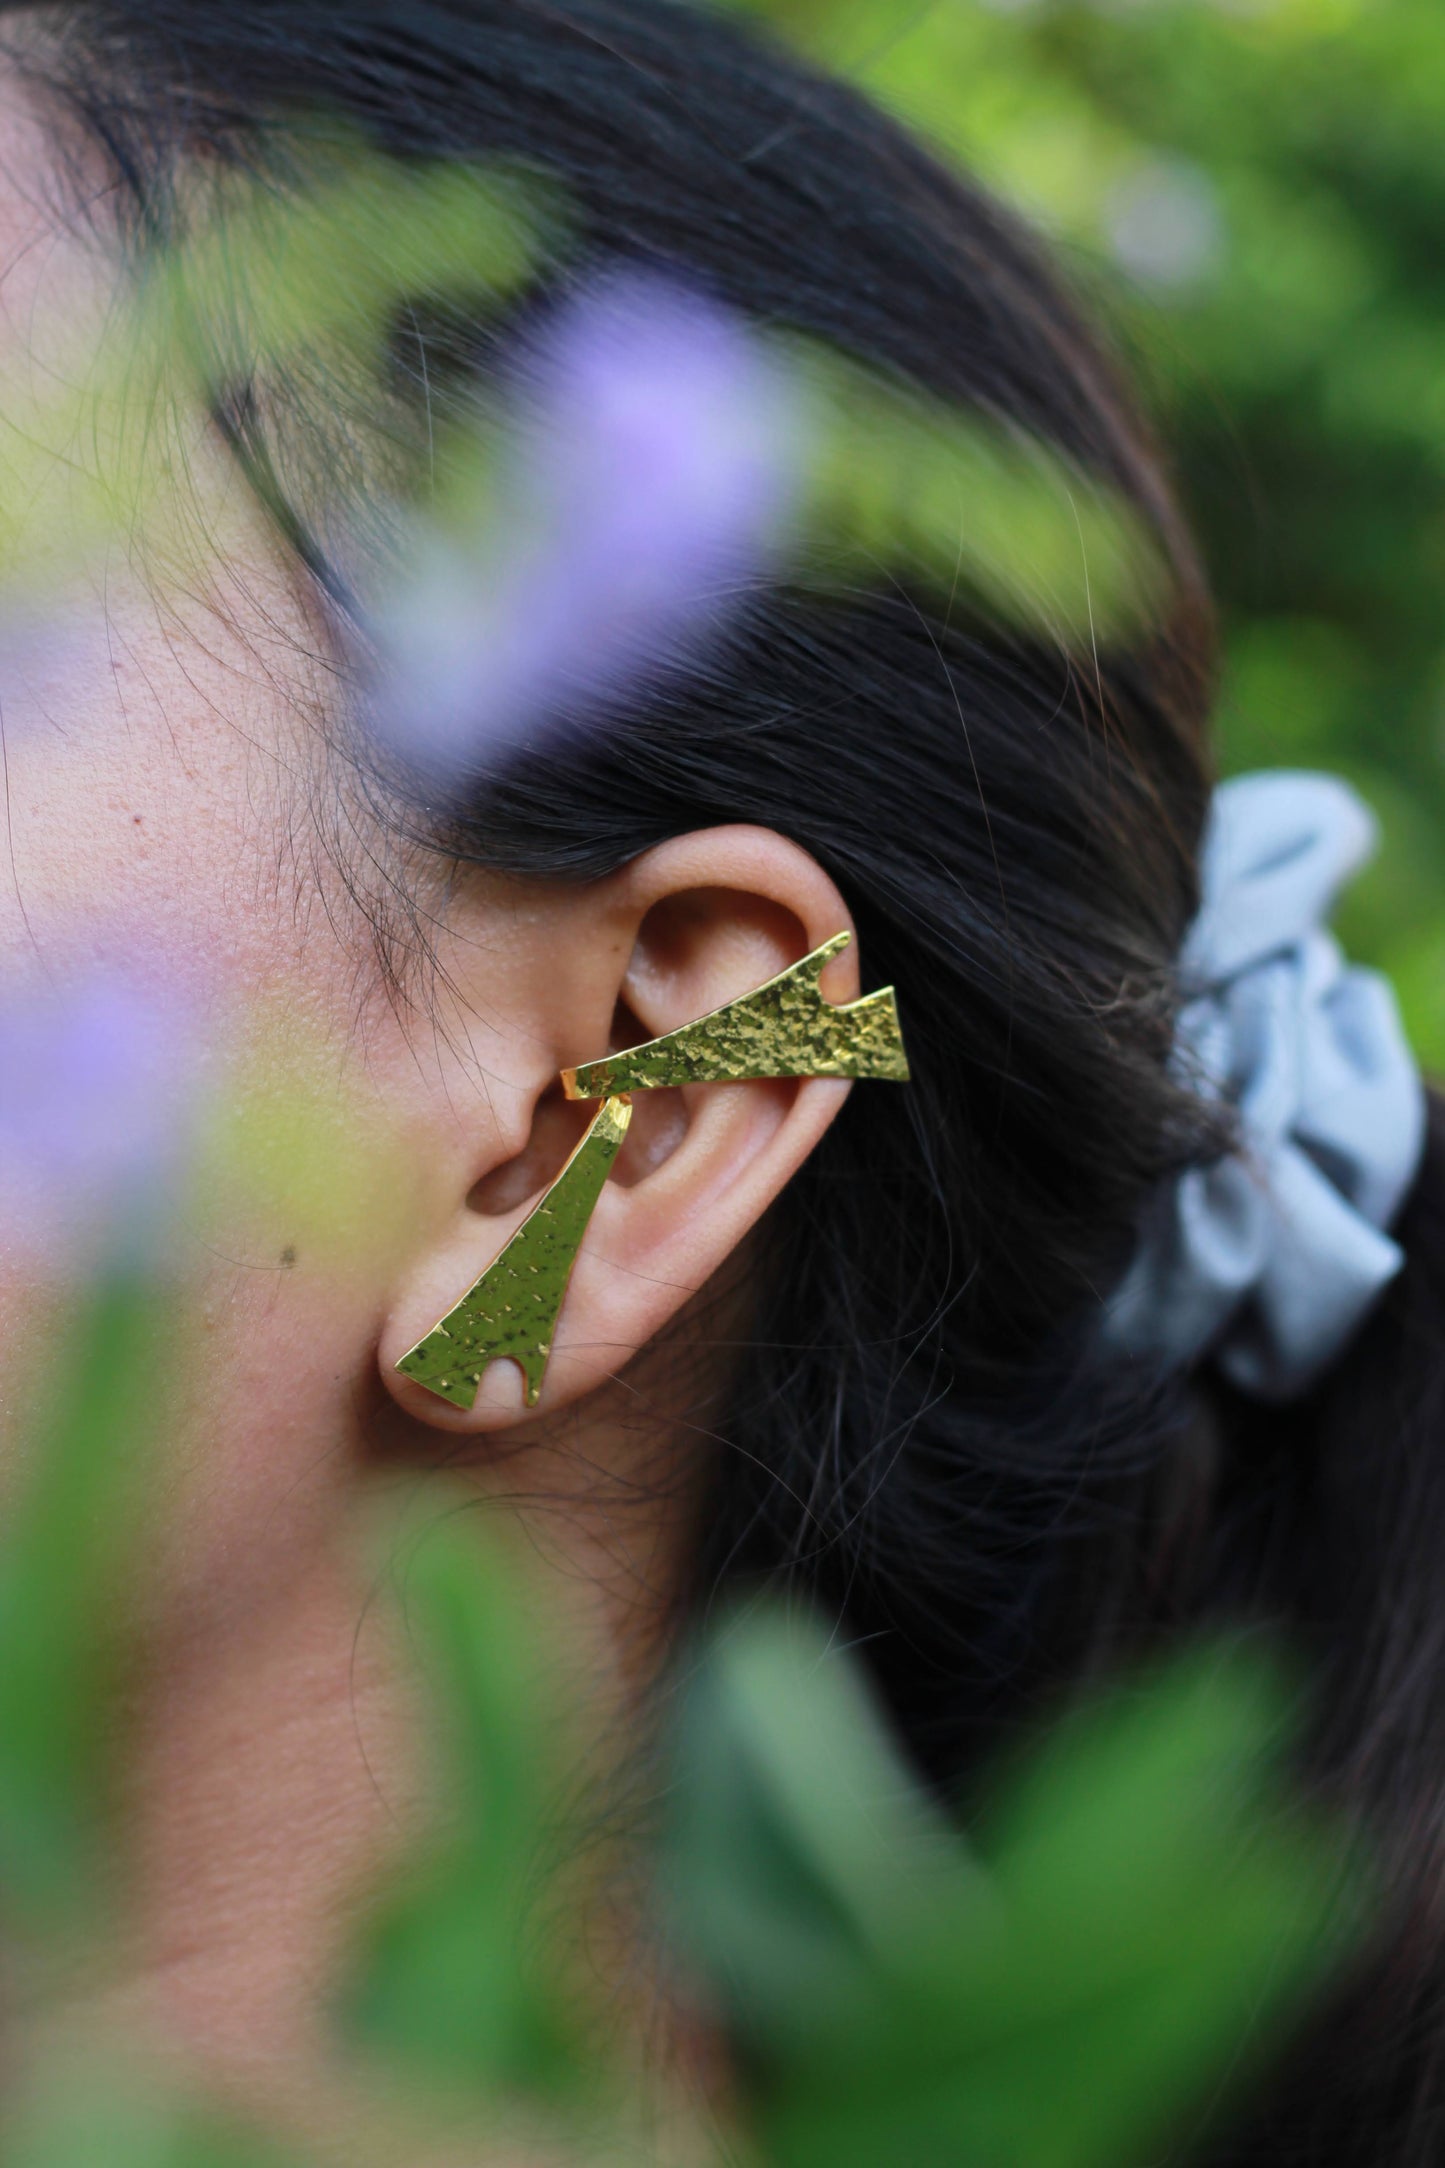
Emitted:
<point x="686" y="928"/>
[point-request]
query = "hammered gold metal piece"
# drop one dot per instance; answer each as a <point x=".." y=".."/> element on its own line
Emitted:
<point x="783" y="1028"/>
<point x="511" y="1311"/>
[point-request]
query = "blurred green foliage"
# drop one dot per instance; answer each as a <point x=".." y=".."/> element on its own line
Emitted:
<point x="1254" y="191"/>
<point x="1117" y="1934"/>
<point x="895" y="479"/>
<point x="457" y="1977"/>
<point x="1131" y="1916"/>
<point x="269" y="287"/>
<point x="108" y="2117"/>
<point x="105" y="449"/>
<point x="63" y="1584"/>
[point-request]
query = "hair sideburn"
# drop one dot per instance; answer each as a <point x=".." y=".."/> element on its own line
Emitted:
<point x="921" y="1438"/>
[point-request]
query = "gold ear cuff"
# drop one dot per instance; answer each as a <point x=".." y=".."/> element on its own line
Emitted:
<point x="784" y="1028"/>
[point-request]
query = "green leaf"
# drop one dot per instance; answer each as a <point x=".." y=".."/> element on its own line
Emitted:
<point x="799" y="1852"/>
<point x="80" y="2121"/>
<point x="271" y="280"/>
<point x="1140" y="1908"/>
<point x="330" y="264"/>
<point x="462" y="1972"/>
<point x="902" y="486"/>
<point x="66" y="1561"/>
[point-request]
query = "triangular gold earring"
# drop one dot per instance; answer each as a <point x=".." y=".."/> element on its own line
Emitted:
<point x="512" y="1309"/>
<point x="782" y="1028"/>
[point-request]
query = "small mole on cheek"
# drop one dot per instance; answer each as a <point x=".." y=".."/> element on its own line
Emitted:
<point x="136" y="819"/>
<point x="288" y="1256"/>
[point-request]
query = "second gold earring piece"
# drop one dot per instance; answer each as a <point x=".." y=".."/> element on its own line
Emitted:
<point x="512" y="1309"/>
<point x="783" y="1028"/>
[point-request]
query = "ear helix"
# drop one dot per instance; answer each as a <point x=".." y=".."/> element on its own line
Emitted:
<point x="784" y="1028"/>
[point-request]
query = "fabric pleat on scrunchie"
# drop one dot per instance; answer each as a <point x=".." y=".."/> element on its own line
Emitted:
<point x="1269" y="1259"/>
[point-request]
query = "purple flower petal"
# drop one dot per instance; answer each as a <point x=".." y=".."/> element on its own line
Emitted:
<point x="96" y="1085"/>
<point x="657" y="456"/>
<point x="49" y="657"/>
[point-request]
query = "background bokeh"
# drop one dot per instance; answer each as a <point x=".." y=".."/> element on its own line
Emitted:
<point x="1253" y="193"/>
<point x="1249" y="194"/>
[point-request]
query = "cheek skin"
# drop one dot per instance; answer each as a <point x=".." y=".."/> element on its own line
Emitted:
<point x="156" y="773"/>
<point x="160" y="815"/>
<point x="143" y="808"/>
<point x="160" y="801"/>
<point x="158" y="769"/>
<point x="158" y="781"/>
<point x="269" y="1737"/>
<point x="144" y="802"/>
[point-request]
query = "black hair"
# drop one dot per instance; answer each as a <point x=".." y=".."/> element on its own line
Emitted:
<point x="922" y="1434"/>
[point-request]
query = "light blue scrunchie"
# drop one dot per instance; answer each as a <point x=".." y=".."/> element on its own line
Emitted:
<point x="1269" y="1259"/>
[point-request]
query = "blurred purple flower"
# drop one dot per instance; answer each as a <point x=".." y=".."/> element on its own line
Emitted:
<point x="51" y="656"/>
<point x="657" y="456"/>
<point x="96" y="1086"/>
